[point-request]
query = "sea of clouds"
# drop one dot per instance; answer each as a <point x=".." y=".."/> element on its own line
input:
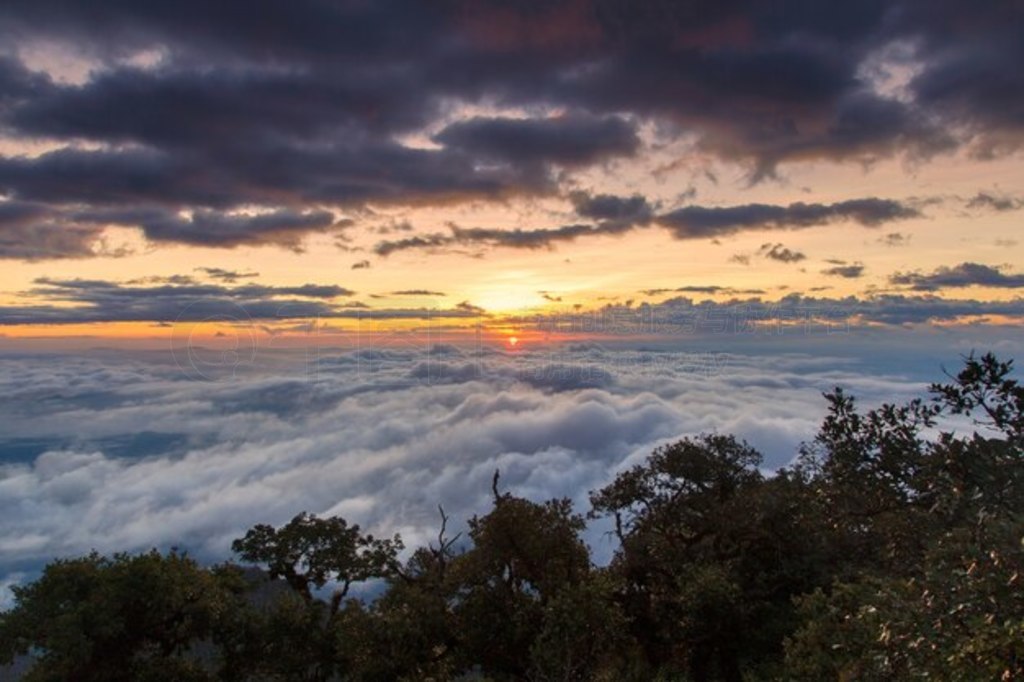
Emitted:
<point x="127" y="450"/>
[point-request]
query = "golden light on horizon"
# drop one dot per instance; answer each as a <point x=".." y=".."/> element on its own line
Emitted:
<point x="511" y="291"/>
<point x="476" y="241"/>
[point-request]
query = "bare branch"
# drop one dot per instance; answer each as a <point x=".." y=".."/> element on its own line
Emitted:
<point x="444" y="526"/>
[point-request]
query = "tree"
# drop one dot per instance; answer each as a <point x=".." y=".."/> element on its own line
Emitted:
<point x="300" y="637"/>
<point x="870" y="476"/>
<point x="410" y="632"/>
<point x="583" y="634"/>
<point x="951" y="509"/>
<point x="710" y="556"/>
<point x="524" y="555"/>
<point x="308" y="552"/>
<point x="141" y="617"/>
<point x="962" y="619"/>
<point x="981" y="475"/>
<point x="984" y="387"/>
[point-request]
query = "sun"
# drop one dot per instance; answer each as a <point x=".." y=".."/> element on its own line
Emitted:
<point x="513" y="341"/>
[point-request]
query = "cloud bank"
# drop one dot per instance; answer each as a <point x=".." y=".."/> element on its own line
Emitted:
<point x="129" y="450"/>
<point x="176" y="118"/>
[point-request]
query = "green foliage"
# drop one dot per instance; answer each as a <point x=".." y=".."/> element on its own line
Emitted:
<point x="963" y="620"/>
<point x="943" y="599"/>
<point x="123" y="618"/>
<point x="583" y="636"/>
<point x="893" y="549"/>
<point x="410" y="632"/>
<point x="710" y="555"/>
<point x="524" y="555"/>
<point x="984" y="387"/>
<point x="308" y="552"/>
<point x="301" y="638"/>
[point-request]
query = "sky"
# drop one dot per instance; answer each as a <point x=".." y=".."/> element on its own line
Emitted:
<point x="350" y="161"/>
<point x="351" y="256"/>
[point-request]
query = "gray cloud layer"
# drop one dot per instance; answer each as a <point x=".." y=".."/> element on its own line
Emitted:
<point x="102" y="301"/>
<point x="188" y="301"/>
<point x="299" y="106"/>
<point x="962" y="275"/>
<point x="846" y="270"/>
<point x="619" y="215"/>
<point x="780" y="253"/>
<point x="692" y="222"/>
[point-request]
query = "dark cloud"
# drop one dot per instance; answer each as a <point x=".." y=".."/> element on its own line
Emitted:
<point x="895" y="239"/>
<point x="538" y="238"/>
<point x="710" y="289"/>
<point x="285" y="227"/>
<point x="393" y="226"/>
<point x="780" y="253"/>
<point x="272" y="31"/>
<point x="691" y="222"/>
<point x="406" y="313"/>
<point x="215" y="229"/>
<point x="566" y="140"/>
<point x="83" y="289"/>
<point x="301" y="105"/>
<point x="634" y="209"/>
<point x="849" y="271"/>
<point x="417" y="292"/>
<point x="159" y="279"/>
<point x="994" y="202"/>
<point x="468" y="307"/>
<point x="772" y="251"/>
<point x="386" y="248"/>
<point x="361" y="265"/>
<point x="962" y="275"/>
<point x="17" y="84"/>
<point x="123" y="177"/>
<point x="696" y="222"/>
<point x="970" y="75"/>
<point x="21" y="213"/>
<point x="900" y="310"/>
<point x="32" y="231"/>
<point x="683" y="315"/>
<point x="103" y="301"/>
<point x="352" y="173"/>
<point x="214" y="108"/>
<point x="304" y="291"/>
<point x="229" y="276"/>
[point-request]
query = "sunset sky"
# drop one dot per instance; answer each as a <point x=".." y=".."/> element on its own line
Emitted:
<point x="265" y="257"/>
<point x="386" y="162"/>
